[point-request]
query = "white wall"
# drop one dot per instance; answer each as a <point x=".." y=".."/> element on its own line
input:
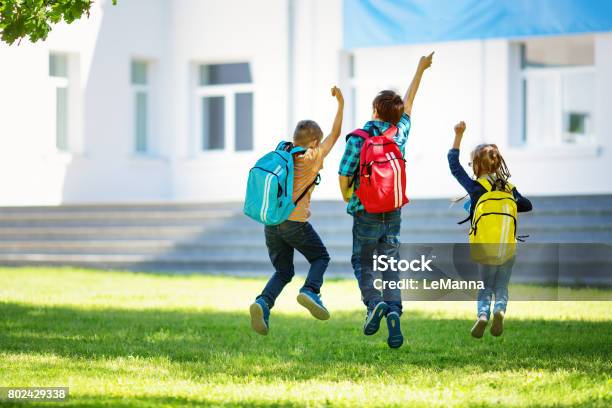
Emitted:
<point x="470" y="80"/>
<point x="102" y="167"/>
<point x="227" y="31"/>
<point x="476" y="81"/>
<point x="318" y="46"/>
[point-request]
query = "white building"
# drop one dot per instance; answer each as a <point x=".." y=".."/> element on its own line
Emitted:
<point x="158" y="100"/>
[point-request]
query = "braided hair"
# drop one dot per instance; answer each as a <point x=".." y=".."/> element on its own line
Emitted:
<point x="486" y="159"/>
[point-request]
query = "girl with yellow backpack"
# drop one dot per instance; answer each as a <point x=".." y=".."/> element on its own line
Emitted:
<point x="494" y="204"/>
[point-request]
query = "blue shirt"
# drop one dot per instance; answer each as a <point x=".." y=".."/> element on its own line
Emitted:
<point x="350" y="160"/>
<point x="474" y="189"/>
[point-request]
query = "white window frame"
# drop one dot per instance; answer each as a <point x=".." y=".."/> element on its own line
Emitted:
<point x="56" y="83"/>
<point x="556" y="74"/>
<point x="71" y="82"/>
<point x="348" y="69"/>
<point x="228" y="92"/>
<point x="362" y="112"/>
<point x="148" y="90"/>
<point x="358" y="86"/>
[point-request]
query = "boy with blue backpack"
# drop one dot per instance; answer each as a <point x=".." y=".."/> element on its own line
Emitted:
<point x="278" y="195"/>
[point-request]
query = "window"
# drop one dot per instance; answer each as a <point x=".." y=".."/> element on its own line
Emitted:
<point x="558" y="83"/>
<point x="244" y="121"/>
<point x="213" y="122"/>
<point x="58" y="73"/>
<point x="352" y="96"/>
<point x="225" y="107"/>
<point x="140" y="91"/>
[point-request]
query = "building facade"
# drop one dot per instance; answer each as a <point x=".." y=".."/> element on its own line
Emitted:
<point x="155" y="100"/>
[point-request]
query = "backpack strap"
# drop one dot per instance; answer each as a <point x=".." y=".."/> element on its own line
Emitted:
<point x="297" y="149"/>
<point x="364" y="134"/>
<point x="289" y="147"/>
<point x="286" y="146"/>
<point x="390" y="132"/>
<point x="359" y="133"/>
<point x="488" y="185"/>
<point x="469" y="217"/>
<point x="316" y="181"/>
<point x="485" y="183"/>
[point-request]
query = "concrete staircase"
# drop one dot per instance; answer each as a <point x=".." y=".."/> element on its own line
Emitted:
<point x="217" y="238"/>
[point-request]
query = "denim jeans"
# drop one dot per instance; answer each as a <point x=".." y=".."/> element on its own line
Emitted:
<point x="495" y="279"/>
<point x="376" y="233"/>
<point x="281" y="241"/>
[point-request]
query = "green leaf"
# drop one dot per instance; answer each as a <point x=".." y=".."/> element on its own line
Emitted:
<point x="32" y="19"/>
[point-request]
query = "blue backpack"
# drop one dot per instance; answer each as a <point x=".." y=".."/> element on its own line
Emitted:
<point x="270" y="186"/>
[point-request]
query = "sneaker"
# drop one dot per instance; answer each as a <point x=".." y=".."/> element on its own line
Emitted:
<point x="479" y="327"/>
<point x="497" y="327"/>
<point x="372" y="323"/>
<point x="395" y="339"/>
<point x="313" y="303"/>
<point x="260" y="314"/>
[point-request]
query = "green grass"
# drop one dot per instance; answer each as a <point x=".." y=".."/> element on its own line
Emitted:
<point x="128" y="339"/>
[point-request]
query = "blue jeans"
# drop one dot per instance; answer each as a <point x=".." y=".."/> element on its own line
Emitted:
<point x="281" y="241"/>
<point x="495" y="279"/>
<point x="376" y="233"/>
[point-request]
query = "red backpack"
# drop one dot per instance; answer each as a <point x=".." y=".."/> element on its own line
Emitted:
<point x="382" y="172"/>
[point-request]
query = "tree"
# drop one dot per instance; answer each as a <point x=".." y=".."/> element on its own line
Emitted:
<point x="33" y="18"/>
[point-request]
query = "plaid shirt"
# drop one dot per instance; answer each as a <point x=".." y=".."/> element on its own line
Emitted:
<point x="350" y="160"/>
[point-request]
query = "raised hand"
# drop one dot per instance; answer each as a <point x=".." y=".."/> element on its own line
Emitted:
<point x="337" y="93"/>
<point x="330" y="140"/>
<point x="426" y="61"/>
<point x="459" y="129"/>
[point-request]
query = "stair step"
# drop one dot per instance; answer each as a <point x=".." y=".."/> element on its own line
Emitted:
<point x="217" y="238"/>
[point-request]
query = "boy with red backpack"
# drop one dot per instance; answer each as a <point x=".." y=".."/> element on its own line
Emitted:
<point x="373" y="183"/>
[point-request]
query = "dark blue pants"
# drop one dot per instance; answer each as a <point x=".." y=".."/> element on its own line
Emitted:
<point x="376" y="233"/>
<point x="281" y="241"/>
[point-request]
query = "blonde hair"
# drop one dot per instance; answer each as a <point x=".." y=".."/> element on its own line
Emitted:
<point x="305" y="132"/>
<point x="486" y="159"/>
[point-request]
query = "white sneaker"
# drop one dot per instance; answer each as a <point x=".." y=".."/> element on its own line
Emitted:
<point x="479" y="327"/>
<point x="497" y="327"/>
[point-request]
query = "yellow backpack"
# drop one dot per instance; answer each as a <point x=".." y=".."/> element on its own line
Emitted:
<point x="494" y="222"/>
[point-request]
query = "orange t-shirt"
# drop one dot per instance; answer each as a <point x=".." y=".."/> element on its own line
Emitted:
<point x="306" y="166"/>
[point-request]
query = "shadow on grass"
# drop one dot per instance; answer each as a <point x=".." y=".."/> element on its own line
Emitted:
<point x="153" y="401"/>
<point x="209" y="343"/>
<point x="146" y="401"/>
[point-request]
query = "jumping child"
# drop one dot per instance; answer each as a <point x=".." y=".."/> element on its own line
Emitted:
<point x="491" y="174"/>
<point x="296" y="232"/>
<point x="378" y="230"/>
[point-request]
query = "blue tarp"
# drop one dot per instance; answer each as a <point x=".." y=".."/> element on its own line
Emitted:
<point x="371" y="23"/>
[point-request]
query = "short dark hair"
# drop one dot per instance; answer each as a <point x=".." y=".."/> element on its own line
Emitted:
<point x="389" y="106"/>
<point x="306" y="131"/>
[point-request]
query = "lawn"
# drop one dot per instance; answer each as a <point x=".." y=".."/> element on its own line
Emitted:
<point x="131" y="339"/>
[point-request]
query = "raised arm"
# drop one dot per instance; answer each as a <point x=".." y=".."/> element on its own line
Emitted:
<point x="330" y="140"/>
<point x="459" y="130"/>
<point x="455" y="166"/>
<point x="424" y="63"/>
